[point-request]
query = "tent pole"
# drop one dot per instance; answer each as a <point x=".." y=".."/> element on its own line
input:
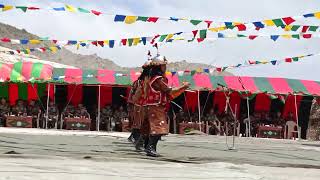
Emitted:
<point x="297" y="117"/>
<point x="47" y="111"/>
<point x="199" y="109"/>
<point x="98" y="119"/>
<point x="248" y="111"/>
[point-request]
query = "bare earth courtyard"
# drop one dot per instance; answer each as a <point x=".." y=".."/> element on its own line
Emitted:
<point x="42" y="154"/>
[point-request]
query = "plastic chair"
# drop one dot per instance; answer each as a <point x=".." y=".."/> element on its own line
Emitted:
<point x="290" y="130"/>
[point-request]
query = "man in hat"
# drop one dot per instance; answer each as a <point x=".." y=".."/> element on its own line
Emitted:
<point x="140" y="134"/>
<point x="158" y="95"/>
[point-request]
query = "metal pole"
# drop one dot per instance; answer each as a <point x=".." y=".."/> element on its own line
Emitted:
<point x="297" y="117"/>
<point x="199" y="109"/>
<point x="248" y="109"/>
<point x="47" y="111"/>
<point x="99" y="104"/>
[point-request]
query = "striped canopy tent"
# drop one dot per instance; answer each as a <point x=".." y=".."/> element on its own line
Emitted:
<point x="198" y="81"/>
<point x="24" y="80"/>
<point x="25" y="72"/>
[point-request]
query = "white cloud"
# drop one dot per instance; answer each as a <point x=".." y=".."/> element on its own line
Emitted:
<point x="81" y="26"/>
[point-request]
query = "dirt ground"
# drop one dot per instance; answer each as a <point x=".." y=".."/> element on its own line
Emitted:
<point x="41" y="154"/>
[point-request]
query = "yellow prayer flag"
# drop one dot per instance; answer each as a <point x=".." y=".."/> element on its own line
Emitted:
<point x="136" y="41"/>
<point x="130" y="19"/>
<point x="269" y="22"/>
<point x="288" y="28"/>
<point x="34" y="41"/>
<point x="236" y="23"/>
<point x="53" y="49"/>
<point x="106" y="42"/>
<point x="217" y="29"/>
<point x="70" y="8"/>
<point x="264" y="62"/>
<point x="199" y="70"/>
<point x="317" y="15"/>
<point x="287" y="36"/>
<point x="169" y="36"/>
<point x="7" y="8"/>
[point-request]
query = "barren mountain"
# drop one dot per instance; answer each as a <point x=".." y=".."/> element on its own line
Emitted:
<point x="67" y="57"/>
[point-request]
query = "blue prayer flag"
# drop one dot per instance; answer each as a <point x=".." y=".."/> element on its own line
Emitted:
<point x="59" y="9"/>
<point x="258" y="24"/>
<point x="274" y="37"/>
<point x="111" y="43"/>
<point x="119" y="18"/>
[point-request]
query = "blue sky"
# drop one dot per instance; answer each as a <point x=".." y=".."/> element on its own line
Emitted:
<point x="221" y="52"/>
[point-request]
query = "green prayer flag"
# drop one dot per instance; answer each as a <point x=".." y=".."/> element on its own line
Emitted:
<point x="83" y="10"/>
<point x="203" y="34"/>
<point x="295" y="27"/>
<point x="313" y="28"/>
<point x="4" y="90"/>
<point x="241" y="35"/>
<point x="193" y="72"/>
<point x="23" y="8"/>
<point x="295" y="59"/>
<point x="130" y="41"/>
<point x="162" y="38"/>
<point x="224" y="68"/>
<point x="230" y="26"/>
<point x="278" y="22"/>
<point x="142" y="18"/>
<point x="23" y="91"/>
<point x="195" y="22"/>
<point x="297" y="36"/>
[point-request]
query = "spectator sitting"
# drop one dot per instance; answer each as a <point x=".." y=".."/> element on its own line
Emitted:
<point x="19" y="109"/>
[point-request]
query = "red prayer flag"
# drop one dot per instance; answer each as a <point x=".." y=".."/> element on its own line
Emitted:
<point x="208" y="23"/>
<point x="307" y="36"/>
<point x="154" y="38"/>
<point x="33" y="8"/>
<point x="219" y="69"/>
<point x="43" y="49"/>
<point x="96" y="12"/>
<point x="288" y="20"/>
<point x="94" y="43"/>
<point x="55" y="41"/>
<point x="195" y="32"/>
<point x="200" y="39"/>
<point x="101" y="43"/>
<point x="305" y="29"/>
<point x="124" y="41"/>
<point x="5" y="40"/>
<point x="252" y="37"/>
<point x="241" y="27"/>
<point x="288" y="60"/>
<point x="153" y="19"/>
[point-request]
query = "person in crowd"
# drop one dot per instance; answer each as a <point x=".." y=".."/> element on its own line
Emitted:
<point x="119" y="115"/>
<point x="34" y="110"/>
<point x="181" y="116"/>
<point x="213" y="122"/>
<point x="290" y="117"/>
<point x="19" y="109"/>
<point x="278" y="120"/>
<point x="4" y="111"/>
<point x="53" y="115"/>
<point x="69" y="111"/>
<point x="106" y="116"/>
<point x="265" y="119"/>
<point x="81" y="111"/>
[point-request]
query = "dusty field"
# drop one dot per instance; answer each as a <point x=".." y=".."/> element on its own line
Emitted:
<point x="33" y="153"/>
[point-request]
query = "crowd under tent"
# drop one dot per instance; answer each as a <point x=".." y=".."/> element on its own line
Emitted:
<point x="29" y="80"/>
